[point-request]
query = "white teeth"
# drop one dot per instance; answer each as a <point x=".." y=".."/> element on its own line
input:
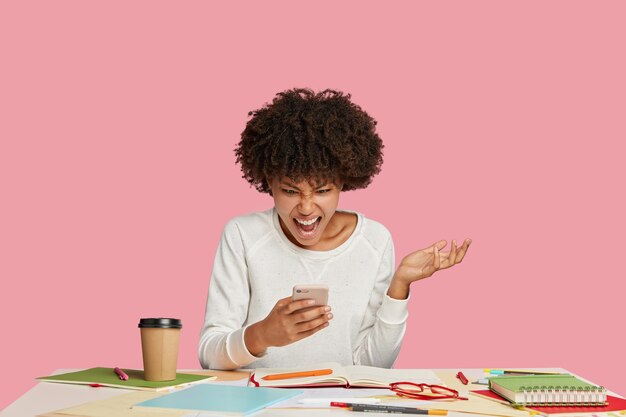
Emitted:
<point x="307" y="222"/>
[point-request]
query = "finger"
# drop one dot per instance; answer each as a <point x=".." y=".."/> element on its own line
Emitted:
<point x="431" y="249"/>
<point x="450" y="259"/>
<point x="437" y="260"/>
<point x="439" y="245"/>
<point x="309" y="314"/>
<point x="462" y="251"/>
<point x="311" y="324"/>
<point x="427" y="250"/>
<point x="282" y="303"/>
<point x="313" y="308"/>
<point x="298" y="305"/>
<point x="312" y="331"/>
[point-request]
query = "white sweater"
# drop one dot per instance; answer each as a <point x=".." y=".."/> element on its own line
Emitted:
<point x="256" y="265"/>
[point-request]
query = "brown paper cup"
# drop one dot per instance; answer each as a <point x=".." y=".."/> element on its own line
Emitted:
<point x="159" y="345"/>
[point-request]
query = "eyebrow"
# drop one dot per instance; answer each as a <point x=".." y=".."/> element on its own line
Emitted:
<point x="288" y="184"/>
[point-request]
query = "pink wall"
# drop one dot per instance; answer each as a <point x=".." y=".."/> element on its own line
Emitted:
<point x="503" y="122"/>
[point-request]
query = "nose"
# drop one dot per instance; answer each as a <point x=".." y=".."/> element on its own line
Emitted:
<point x="306" y="204"/>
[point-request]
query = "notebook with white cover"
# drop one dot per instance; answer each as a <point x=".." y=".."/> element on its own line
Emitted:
<point x="344" y="376"/>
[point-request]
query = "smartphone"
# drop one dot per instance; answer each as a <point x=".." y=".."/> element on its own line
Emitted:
<point x="317" y="292"/>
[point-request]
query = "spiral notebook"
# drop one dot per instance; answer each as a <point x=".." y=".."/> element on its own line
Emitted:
<point x="553" y="390"/>
<point x="614" y="405"/>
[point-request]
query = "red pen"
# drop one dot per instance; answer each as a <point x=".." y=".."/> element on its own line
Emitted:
<point x="121" y="374"/>
<point x="462" y="377"/>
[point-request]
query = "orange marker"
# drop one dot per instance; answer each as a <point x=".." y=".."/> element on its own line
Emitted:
<point x="298" y="374"/>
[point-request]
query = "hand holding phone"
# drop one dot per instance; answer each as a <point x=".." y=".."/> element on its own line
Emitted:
<point x="291" y="319"/>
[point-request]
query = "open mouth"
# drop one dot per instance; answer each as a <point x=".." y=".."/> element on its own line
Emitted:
<point x="307" y="228"/>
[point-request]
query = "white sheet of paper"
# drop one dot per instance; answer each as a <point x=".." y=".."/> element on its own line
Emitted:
<point x="329" y="393"/>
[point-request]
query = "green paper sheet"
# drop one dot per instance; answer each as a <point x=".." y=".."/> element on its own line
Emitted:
<point x="107" y="377"/>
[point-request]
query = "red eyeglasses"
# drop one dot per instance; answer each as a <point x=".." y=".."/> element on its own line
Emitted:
<point x="424" y="391"/>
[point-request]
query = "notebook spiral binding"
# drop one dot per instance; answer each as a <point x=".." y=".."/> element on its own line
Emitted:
<point x="563" y="396"/>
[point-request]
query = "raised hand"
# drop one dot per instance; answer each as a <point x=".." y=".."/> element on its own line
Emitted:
<point x="423" y="263"/>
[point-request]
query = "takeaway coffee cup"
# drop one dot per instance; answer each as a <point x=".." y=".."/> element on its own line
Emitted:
<point x="159" y="346"/>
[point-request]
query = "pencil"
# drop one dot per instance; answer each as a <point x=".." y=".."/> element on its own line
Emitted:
<point x="396" y="410"/>
<point x="300" y="374"/>
<point x="388" y="409"/>
<point x="518" y="372"/>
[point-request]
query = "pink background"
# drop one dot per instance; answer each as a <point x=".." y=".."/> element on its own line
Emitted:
<point x="503" y="122"/>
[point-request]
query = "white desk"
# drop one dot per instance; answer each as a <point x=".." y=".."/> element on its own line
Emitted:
<point x="46" y="397"/>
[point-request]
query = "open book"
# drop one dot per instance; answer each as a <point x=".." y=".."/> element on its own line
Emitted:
<point x="342" y="376"/>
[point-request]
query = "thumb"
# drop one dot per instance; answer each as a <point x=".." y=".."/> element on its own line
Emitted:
<point x="440" y="245"/>
<point x="283" y="302"/>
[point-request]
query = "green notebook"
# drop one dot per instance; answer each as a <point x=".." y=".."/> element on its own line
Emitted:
<point x="553" y="390"/>
<point x="107" y="377"/>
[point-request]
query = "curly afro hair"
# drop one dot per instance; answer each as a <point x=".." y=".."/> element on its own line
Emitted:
<point x="303" y="135"/>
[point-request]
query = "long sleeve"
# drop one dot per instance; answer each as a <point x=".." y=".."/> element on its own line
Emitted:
<point x="256" y="265"/>
<point x="221" y="340"/>
<point x="383" y="327"/>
